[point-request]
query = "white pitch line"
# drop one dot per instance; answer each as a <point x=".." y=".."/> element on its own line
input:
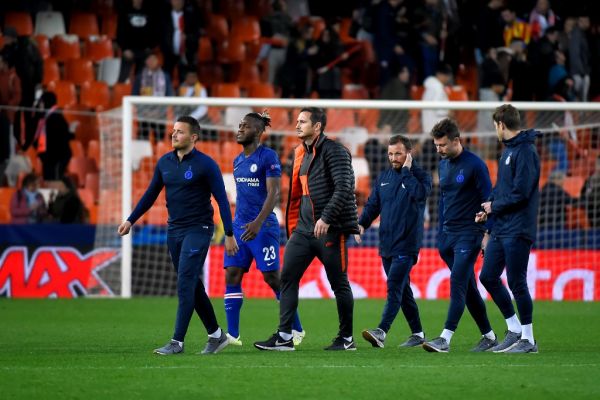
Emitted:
<point x="205" y="366"/>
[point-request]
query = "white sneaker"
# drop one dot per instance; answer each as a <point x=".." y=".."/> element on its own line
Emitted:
<point x="234" y="341"/>
<point x="298" y="336"/>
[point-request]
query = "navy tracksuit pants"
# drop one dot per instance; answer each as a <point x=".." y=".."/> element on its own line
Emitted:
<point x="512" y="252"/>
<point x="188" y="252"/>
<point x="459" y="252"/>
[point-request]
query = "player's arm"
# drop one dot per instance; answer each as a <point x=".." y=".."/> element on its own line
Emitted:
<point x="339" y="163"/>
<point x="217" y="188"/>
<point x="147" y="200"/>
<point x="371" y="210"/>
<point x="252" y="228"/>
<point x="524" y="183"/>
<point x="418" y="187"/>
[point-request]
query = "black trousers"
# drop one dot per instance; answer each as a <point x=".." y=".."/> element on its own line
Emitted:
<point x="300" y="251"/>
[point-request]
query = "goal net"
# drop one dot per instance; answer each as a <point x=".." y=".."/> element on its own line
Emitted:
<point x="565" y="261"/>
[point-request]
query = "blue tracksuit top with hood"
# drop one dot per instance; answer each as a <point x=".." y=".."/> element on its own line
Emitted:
<point x="515" y="198"/>
<point x="189" y="184"/>
<point x="399" y="196"/>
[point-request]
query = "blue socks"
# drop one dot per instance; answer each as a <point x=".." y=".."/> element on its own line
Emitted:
<point x="234" y="298"/>
<point x="296" y="325"/>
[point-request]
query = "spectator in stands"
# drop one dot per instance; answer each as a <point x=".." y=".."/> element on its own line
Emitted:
<point x="27" y="205"/>
<point x="541" y="55"/>
<point x="65" y="205"/>
<point x="491" y="88"/>
<point x="52" y="138"/>
<point x="579" y="57"/>
<point x="136" y="35"/>
<point x="434" y="91"/>
<point x="277" y="25"/>
<point x="397" y="88"/>
<point x="515" y="28"/>
<point x="553" y="202"/>
<point x="10" y="95"/>
<point x="29" y="66"/>
<point x="293" y="75"/>
<point x="590" y="196"/>
<point x="152" y="81"/>
<point x="432" y="29"/>
<point x="541" y="18"/>
<point x="179" y="38"/>
<point x="328" y="78"/>
<point x="558" y="75"/>
<point x="521" y="73"/>
<point x="489" y="29"/>
<point x="191" y="87"/>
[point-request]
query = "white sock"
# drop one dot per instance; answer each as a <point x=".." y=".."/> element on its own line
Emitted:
<point x="528" y="333"/>
<point x="285" y="336"/>
<point x="513" y="324"/>
<point x="419" y="334"/>
<point x="178" y="342"/>
<point x="216" y="334"/>
<point x="348" y="339"/>
<point x="446" y="334"/>
<point x="490" y="335"/>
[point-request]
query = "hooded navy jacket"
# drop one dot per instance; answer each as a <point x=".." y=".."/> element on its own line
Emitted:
<point x="515" y="198"/>
<point x="399" y="196"/>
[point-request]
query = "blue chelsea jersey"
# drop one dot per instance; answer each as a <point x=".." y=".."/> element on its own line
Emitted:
<point x="251" y="175"/>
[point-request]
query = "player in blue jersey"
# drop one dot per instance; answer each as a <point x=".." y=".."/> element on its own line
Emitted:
<point x="257" y="173"/>
<point x="189" y="178"/>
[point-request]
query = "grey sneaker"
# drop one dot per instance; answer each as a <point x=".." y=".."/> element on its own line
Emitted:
<point x="437" y="345"/>
<point x="523" y="346"/>
<point x="484" y="344"/>
<point x="413" y="341"/>
<point x="374" y="336"/>
<point x="170" y="348"/>
<point x="215" y="345"/>
<point x="510" y="340"/>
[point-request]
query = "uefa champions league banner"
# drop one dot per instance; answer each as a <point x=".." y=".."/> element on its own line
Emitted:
<point x="61" y="261"/>
<point x="552" y="275"/>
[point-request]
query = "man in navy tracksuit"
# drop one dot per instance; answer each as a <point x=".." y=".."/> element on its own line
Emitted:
<point x="464" y="182"/>
<point x="513" y="206"/>
<point x="189" y="177"/>
<point x="399" y="196"/>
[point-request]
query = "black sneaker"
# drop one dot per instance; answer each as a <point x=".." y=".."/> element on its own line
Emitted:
<point x="339" y="343"/>
<point x="276" y="343"/>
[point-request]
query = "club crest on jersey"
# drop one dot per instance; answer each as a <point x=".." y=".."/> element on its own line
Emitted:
<point x="507" y="162"/>
<point x="188" y="174"/>
<point x="460" y="178"/>
<point x="253" y="168"/>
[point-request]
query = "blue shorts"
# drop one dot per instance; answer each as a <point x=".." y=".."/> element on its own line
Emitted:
<point x="264" y="248"/>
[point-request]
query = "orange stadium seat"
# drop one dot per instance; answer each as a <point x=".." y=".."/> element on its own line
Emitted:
<point x="98" y="48"/>
<point x="51" y="71"/>
<point x="264" y="90"/>
<point x="245" y="29"/>
<point x="79" y="71"/>
<point x="231" y="51"/>
<point x="205" y="50"/>
<point x="80" y="167"/>
<point x="217" y="28"/>
<point x="43" y="45"/>
<point x="84" y="25"/>
<point x="225" y="90"/>
<point x="109" y="26"/>
<point x="232" y="9"/>
<point x="210" y="72"/>
<point x="229" y="151"/>
<point x="280" y="118"/>
<point x="65" y="47"/>
<point x="65" y="93"/>
<point x="76" y="148"/>
<point x="6" y="194"/>
<point x="119" y="90"/>
<point x="95" y="95"/>
<point x="212" y="149"/>
<point x="492" y="166"/>
<point x="21" y="21"/>
<point x="89" y="201"/>
<point x="93" y="151"/>
<point x="248" y="74"/>
<point x="92" y="182"/>
<point x="353" y="91"/>
<point x="339" y="118"/>
<point x="573" y="185"/>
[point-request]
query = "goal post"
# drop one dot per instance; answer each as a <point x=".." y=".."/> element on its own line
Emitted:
<point x="565" y="262"/>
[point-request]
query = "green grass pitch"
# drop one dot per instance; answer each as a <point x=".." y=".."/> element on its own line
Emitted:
<point x="102" y="349"/>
